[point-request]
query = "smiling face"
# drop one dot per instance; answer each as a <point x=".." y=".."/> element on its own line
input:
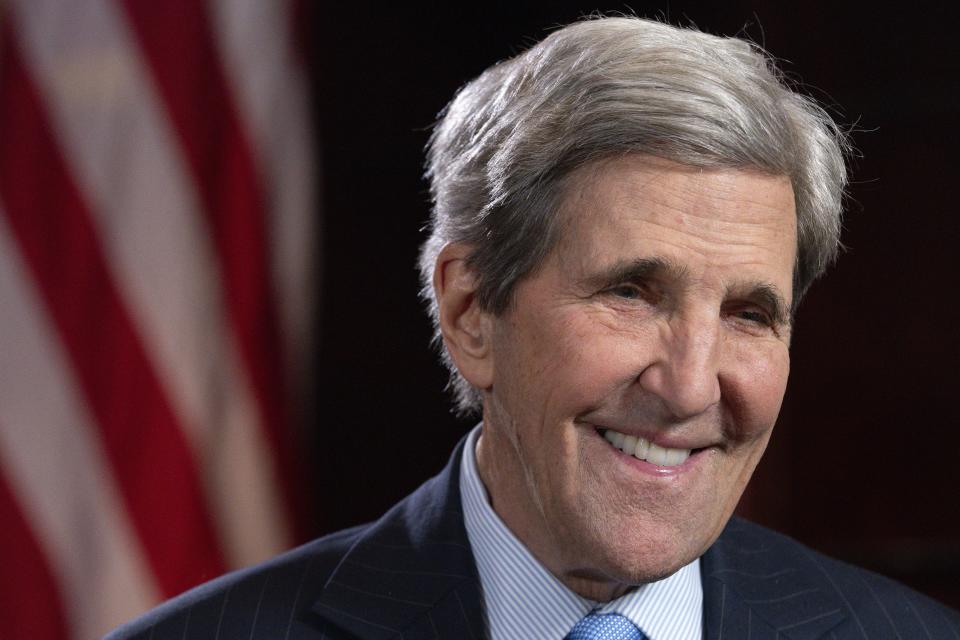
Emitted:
<point x="661" y="314"/>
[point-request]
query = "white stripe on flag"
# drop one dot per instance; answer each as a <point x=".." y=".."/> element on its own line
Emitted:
<point x="50" y="450"/>
<point x="270" y="88"/>
<point x="119" y="145"/>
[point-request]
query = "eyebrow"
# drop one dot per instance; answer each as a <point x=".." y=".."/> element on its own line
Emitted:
<point x="764" y="294"/>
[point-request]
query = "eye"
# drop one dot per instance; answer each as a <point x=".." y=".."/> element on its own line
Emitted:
<point x="634" y="292"/>
<point x="753" y="319"/>
<point x="754" y="316"/>
<point x="626" y="291"/>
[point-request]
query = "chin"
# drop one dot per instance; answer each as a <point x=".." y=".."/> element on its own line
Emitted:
<point x="602" y="569"/>
<point x="652" y="558"/>
<point x="630" y="548"/>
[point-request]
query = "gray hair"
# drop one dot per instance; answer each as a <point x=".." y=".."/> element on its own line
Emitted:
<point x="500" y="154"/>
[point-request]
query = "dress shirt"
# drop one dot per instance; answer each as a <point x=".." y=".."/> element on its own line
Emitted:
<point x="524" y="600"/>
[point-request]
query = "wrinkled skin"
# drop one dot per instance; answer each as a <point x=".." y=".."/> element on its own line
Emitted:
<point x="663" y="311"/>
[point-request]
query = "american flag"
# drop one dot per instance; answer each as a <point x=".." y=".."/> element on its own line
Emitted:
<point x="155" y="245"/>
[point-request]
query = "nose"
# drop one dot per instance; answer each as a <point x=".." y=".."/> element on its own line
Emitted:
<point x="685" y="373"/>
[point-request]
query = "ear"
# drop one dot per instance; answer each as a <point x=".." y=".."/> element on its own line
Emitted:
<point x="465" y="327"/>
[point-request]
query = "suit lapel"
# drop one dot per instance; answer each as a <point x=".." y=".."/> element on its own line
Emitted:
<point x="412" y="572"/>
<point x="758" y="585"/>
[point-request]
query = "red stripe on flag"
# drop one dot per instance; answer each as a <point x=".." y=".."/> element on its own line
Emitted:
<point x="30" y="603"/>
<point x="189" y="76"/>
<point x="148" y="453"/>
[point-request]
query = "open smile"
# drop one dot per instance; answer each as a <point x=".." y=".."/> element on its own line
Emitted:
<point x="661" y="460"/>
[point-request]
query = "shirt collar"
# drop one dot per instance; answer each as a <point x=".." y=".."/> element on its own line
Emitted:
<point x="524" y="600"/>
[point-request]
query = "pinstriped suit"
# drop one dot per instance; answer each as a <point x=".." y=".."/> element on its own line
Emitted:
<point x="411" y="575"/>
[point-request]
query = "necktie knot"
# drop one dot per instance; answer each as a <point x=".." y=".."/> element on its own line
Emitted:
<point x="605" y="626"/>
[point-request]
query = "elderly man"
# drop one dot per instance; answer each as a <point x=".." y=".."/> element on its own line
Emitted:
<point x="625" y="218"/>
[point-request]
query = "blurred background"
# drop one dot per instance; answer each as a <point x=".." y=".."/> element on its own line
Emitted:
<point x="211" y="346"/>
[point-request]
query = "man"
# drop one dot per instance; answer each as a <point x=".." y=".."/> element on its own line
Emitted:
<point x="625" y="218"/>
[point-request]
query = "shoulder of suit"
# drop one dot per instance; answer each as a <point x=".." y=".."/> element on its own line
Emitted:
<point x="272" y="589"/>
<point x="865" y="595"/>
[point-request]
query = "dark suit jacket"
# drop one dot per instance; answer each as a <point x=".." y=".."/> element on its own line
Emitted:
<point x="411" y="575"/>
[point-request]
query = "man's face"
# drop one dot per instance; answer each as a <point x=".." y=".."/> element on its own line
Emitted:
<point x="662" y="314"/>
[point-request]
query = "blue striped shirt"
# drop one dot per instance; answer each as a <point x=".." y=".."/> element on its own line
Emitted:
<point x="524" y="600"/>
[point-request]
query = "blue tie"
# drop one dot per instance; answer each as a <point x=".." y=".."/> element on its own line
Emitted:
<point x="605" y="626"/>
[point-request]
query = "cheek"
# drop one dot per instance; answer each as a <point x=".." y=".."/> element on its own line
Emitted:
<point x="760" y="385"/>
<point x="553" y="350"/>
<point x="552" y="369"/>
<point x="588" y="361"/>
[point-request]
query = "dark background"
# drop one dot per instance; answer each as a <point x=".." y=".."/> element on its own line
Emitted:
<point x="865" y="460"/>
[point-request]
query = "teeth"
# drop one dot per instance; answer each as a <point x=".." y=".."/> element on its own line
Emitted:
<point x="657" y="455"/>
<point x="618" y="439"/>
<point x="643" y="448"/>
<point x="675" y="456"/>
<point x="646" y="450"/>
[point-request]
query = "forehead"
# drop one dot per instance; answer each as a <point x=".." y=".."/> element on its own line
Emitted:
<point x="714" y="223"/>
